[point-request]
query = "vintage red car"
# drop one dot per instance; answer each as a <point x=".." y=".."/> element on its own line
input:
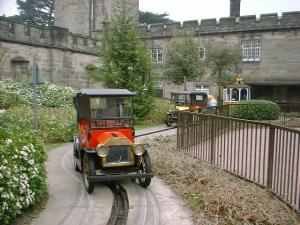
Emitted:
<point x="105" y="148"/>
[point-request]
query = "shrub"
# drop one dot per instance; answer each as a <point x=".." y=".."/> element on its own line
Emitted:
<point x="22" y="172"/>
<point x="255" y="110"/>
<point x="8" y="99"/>
<point x="55" y="125"/>
<point x="157" y="114"/>
<point x="48" y="95"/>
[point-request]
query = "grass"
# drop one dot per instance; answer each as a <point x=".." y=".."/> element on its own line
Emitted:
<point x="157" y="116"/>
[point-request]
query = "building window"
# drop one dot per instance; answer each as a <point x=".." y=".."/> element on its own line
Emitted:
<point x="20" y="67"/>
<point x="202" y="53"/>
<point x="157" y="55"/>
<point x="251" y="50"/>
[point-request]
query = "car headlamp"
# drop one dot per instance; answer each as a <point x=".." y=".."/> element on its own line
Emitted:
<point x="139" y="150"/>
<point x="102" y="150"/>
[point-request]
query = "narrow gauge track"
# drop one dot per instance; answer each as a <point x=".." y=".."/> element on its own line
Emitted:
<point x="120" y="207"/>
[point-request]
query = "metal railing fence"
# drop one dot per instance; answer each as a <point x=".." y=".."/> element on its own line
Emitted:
<point x="265" y="154"/>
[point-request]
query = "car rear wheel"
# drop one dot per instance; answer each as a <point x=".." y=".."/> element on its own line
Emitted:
<point x="145" y="167"/>
<point x="88" y="166"/>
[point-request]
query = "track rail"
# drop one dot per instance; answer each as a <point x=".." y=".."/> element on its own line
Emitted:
<point x="155" y="132"/>
<point x="120" y="208"/>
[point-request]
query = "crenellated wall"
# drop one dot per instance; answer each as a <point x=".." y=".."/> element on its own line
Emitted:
<point x="266" y="22"/>
<point x="62" y="56"/>
<point x="52" y="37"/>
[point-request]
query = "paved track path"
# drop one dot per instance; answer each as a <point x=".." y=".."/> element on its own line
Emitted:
<point x="69" y="204"/>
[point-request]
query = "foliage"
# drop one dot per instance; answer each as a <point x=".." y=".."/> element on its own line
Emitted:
<point x="157" y="114"/>
<point x="255" y="110"/>
<point x="8" y="99"/>
<point x="55" y="112"/>
<point x="36" y="12"/>
<point x="150" y="18"/>
<point x="55" y="125"/>
<point x="22" y="173"/>
<point x="48" y="95"/>
<point x="183" y="60"/>
<point x="126" y="63"/>
<point x="223" y="62"/>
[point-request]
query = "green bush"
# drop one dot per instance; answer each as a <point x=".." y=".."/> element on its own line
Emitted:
<point x="8" y="99"/>
<point x="157" y="114"/>
<point x="255" y="110"/>
<point x="22" y="172"/>
<point x="55" y="125"/>
<point x="48" y="95"/>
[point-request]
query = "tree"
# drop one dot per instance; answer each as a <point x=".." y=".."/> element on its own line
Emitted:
<point x="223" y="61"/>
<point x="37" y="12"/>
<point x="150" y="18"/>
<point x="126" y="63"/>
<point x="183" y="60"/>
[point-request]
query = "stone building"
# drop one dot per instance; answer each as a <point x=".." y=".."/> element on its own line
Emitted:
<point x="269" y="44"/>
<point x="270" y="47"/>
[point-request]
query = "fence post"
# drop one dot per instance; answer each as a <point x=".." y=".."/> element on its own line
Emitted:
<point x="271" y="157"/>
<point x="213" y="136"/>
<point x="177" y="132"/>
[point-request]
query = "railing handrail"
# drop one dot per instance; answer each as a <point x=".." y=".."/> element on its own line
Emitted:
<point x="255" y="122"/>
<point x="264" y="153"/>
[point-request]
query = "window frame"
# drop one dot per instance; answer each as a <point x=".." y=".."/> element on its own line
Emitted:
<point x="202" y="53"/>
<point x="157" y="55"/>
<point x="251" y="49"/>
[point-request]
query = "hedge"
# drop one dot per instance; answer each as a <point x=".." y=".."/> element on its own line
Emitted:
<point x="255" y="110"/>
<point x="22" y="172"/>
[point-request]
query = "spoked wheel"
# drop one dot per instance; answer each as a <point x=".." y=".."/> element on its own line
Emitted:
<point x="75" y="164"/>
<point x="88" y="170"/>
<point x="75" y="154"/>
<point x="145" y="167"/>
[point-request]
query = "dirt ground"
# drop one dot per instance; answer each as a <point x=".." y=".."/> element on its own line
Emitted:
<point x="216" y="197"/>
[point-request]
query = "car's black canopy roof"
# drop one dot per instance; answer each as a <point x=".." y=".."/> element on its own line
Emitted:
<point x="106" y="92"/>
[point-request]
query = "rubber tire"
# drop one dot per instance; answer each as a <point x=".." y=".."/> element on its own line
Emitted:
<point x="76" y="168"/>
<point x="75" y="153"/>
<point x="88" y="185"/>
<point x="145" y="182"/>
<point x="167" y="121"/>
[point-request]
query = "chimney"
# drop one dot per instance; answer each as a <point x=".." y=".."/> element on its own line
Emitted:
<point x="235" y="8"/>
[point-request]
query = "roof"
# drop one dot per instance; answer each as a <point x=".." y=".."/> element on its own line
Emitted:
<point x="188" y="92"/>
<point x="275" y="83"/>
<point x="237" y="86"/>
<point x="106" y="92"/>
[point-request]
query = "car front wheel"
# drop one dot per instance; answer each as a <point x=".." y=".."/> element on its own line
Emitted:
<point x="88" y="166"/>
<point x="145" y="168"/>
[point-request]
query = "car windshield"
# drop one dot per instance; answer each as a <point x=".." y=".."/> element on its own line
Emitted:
<point x="198" y="98"/>
<point x="110" y="107"/>
<point x="180" y="99"/>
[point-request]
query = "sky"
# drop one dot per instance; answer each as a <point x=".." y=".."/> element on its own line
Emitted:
<point x="181" y="10"/>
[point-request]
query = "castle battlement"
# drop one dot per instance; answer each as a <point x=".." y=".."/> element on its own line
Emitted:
<point x="47" y="37"/>
<point x="265" y="22"/>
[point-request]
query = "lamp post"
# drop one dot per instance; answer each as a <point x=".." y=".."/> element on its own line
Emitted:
<point x="35" y="82"/>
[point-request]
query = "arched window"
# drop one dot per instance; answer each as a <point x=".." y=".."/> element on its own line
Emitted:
<point x="20" y="68"/>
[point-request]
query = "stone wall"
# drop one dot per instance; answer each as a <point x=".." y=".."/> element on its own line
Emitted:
<point x="62" y="56"/>
<point x="266" y="22"/>
<point x="88" y="16"/>
<point x="280" y="44"/>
